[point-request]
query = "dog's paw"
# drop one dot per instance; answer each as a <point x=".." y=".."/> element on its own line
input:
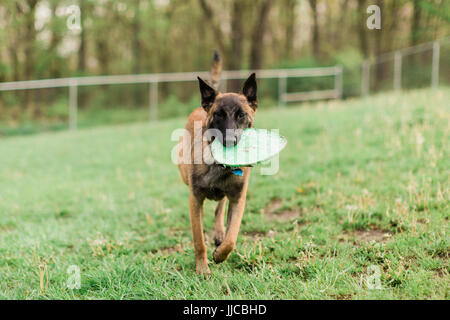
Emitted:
<point x="218" y="258"/>
<point x="202" y="268"/>
<point x="222" y="252"/>
<point x="218" y="239"/>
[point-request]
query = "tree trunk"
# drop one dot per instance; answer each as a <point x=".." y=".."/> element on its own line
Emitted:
<point x="82" y="95"/>
<point x="415" y="24"/>
<point x="136" y="28"/>
<point x="15" y="62"/>
<point x="315" y="35"/>
<point x="290" y="28"/>
<point x="234" y="58"/>
<point x="257" y="48"/>
<point x="54" y="42"/>
<point x="103" y="55"/>
<point x="209" y="16"/>
<point x="339" y="32"/>
<point x="362" y="28"/>
<point x="380" y="67"/>
<point x="82" y="48"/>
<point x="29" y="40"/>
<point x="30" y="35"/>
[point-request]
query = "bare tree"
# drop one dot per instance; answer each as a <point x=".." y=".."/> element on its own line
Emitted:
<point x="136" y="47"/>
<point x="55" y="40"/>
<point x="136" y="27"/>
<point x="237" y="36"/>
<point x="315" y="34"/>
<point x="415" y="24"/>
<point x="14" y="42"/>
<point x="29" y="42"/>
<point x="290" y="14"/>
<point x="257" y="47"/>
<point x="82" y="47"/>
<point x="30" y="34"/>
<point x="234" y="51"/>
<point x="218" y="34"/>
<point x="362" y="28"/>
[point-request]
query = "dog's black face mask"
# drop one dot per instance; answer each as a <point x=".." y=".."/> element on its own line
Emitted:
<point x="229" y="113"/>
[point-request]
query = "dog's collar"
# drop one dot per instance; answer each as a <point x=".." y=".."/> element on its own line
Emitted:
<point x="238" y="172"/>
<point x="235" y="170"/>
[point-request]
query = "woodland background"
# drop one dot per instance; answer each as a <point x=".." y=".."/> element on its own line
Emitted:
<point x="138" y="36"/>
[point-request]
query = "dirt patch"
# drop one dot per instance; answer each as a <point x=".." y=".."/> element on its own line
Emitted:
<point x="441" y="272"/>
<point x="359" y="236"/>
<point x="273" y="212"/>
<point x="170" y="250"/>
<point x="442" y="254"/>
<point x="344" y="297"/>
<point x="273" y="206"/>
<point x="288" y="214"/>
<point x="424" y="221"/>
<point x="255" y="234"/>
<point x="376" y="235"/>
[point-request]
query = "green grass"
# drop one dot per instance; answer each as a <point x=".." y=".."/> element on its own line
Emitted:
<point x="362" y="183"/>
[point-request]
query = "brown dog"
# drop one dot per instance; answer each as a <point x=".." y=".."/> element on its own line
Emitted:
<point x="227" y="114"/>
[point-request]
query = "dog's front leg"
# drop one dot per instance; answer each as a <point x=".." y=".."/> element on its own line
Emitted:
<point x="196" y="213"/>
<point x="219" y="230"/>
<point x="235" y="212"/>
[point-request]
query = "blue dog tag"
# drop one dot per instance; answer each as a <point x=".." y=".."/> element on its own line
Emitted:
<point x="238" y="172"/>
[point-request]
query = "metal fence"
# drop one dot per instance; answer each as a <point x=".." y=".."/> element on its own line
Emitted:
<point x="397" y="58"/>
<point x="154" y="79"/>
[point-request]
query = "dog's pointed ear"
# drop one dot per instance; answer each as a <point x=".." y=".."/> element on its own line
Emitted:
<point x="250" y="91"/>
<point x="208" y="94"/>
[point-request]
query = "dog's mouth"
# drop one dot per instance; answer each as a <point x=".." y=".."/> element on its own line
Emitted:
<point x="228" y="140"/>
<point x="231" y="141"/>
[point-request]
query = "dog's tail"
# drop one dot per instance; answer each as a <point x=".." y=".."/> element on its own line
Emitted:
<point x="216" y="69"/>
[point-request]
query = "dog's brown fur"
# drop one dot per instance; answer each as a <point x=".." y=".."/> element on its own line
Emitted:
<point x="213" y="181"/>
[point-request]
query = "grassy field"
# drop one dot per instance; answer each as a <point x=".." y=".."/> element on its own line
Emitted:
<point x="363" y="189"/>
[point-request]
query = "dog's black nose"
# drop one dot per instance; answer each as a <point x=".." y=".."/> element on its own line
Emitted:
<point x="230" y="141"/>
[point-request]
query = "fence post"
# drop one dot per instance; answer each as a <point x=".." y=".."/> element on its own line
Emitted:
<point x="282" y="85"/>
<point x="223" y="86"/>
<point x="397" y="70"/>
<point x="73" y="106"/>
<point x="435" y="65"/>
<point x="338" y="84"/>
<point x="153" y="100"/>
<point x="365" y="78"/>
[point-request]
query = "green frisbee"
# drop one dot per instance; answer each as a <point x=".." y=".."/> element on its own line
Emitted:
<point x="256" y="146"/>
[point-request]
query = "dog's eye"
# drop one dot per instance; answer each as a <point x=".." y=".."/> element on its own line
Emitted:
<point x="240" y="115"/>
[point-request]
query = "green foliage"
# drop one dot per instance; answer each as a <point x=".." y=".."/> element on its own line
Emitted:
<point x="58" y="110"/>
<point x="442" y="10"/>
<point x="270" y="87"/>
<point x="350" y="59"/>
<point x="173" y="107"/>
